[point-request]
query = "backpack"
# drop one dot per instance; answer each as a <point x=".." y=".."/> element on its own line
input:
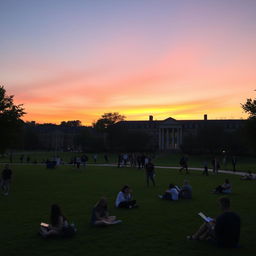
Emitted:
<point x="68" y="231"/>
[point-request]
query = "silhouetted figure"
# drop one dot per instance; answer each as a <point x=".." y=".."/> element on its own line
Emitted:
<point x="150" y="173"/>
<point x="95" y="156"/>
<point x="234" y="162"/>
<point x="215" y="165"/>
<point x="6" y="180"/>
<point x="205" y="172"/>
<point x="184" y="164"/>
<point x="21" y="158"/>
<point x="225" y="230"/>
<point x="78" y="162"/>
<point x="84" y="160"/>
<point x="119" y="161"/>
<point x="139" y="161"/>
<point x="11" y="157"/>
<point x="106" y="158"/>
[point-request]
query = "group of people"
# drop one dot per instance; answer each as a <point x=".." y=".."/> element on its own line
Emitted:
<point x="175" y="192"/>
<point x="139" y="160"/>
<point x="60" y="226"/>
<point x="224" y="230"/>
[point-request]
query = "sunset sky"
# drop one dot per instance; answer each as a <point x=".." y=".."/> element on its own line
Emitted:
<point x="77" y="59"/>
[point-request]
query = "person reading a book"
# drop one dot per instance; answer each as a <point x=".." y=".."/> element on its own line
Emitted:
<point x="224" y="230"/>
<point x="100" y="215"/>
<point x="57" y="223"/>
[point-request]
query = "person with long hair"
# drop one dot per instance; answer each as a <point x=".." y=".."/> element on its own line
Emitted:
<point x="57" y="223"/>
<point x="124" y="198"/>
<point x="100" y="214"/>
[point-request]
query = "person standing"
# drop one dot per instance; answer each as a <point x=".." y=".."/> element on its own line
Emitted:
<point x="205" y="172"/>
<point x="95" y="156"/>
<point x="78" y="162"/>
<point x="234" y="161"/>
<point x="106" y="158"/>
<point x="150" y="173"/>
<point x="6" y="180"/>
<point x="184" y="164"/>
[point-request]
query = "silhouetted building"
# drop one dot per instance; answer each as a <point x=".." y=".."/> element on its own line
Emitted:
<point x="168" y="134"/>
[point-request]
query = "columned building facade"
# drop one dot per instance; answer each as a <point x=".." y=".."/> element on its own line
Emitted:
<point x="169" y="134"/>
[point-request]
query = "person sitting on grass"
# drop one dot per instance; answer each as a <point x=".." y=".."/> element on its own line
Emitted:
<point x="124" y="198"/>
<point x="186" y="191"/>
<point x="58" y="223"/>
<point x="171" y="193"/>
<point x="100" y="215"/>
<point x="224" y="231"/>
<point x="225" y="188"/>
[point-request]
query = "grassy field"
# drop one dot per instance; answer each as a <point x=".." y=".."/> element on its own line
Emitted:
<point x="157" y="227"/>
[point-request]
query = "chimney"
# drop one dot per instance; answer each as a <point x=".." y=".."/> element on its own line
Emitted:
<point x="150" y="118"/>
<point x="205" y="117"/>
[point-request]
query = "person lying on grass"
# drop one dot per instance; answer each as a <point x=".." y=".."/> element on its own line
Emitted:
<point x="248" y="176"/>
<point x="100" y="215"/>
<point x="172" y="193"/>
<point x="225" y="188"/>
<point x="58" y="224"/>
<point x="124" y="198"/>
<point x="224" y="231"/>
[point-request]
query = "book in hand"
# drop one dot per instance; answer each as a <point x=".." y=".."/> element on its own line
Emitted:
<point x="45" y="225"/>
<point x="205" y="218"/>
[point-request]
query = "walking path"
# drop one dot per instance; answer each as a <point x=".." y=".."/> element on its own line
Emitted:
<point x="239" y="173"/>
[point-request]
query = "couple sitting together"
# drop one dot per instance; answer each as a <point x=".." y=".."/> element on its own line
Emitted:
<point x="175" y="192"/>
<point x="100" y="215"/>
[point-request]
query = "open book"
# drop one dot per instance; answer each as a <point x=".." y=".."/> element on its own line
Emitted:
<point x="45" y="225"/>
<point x="206" y="219"/>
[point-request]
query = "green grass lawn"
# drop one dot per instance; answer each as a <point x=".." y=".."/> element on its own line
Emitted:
<point x="157" y="227"/>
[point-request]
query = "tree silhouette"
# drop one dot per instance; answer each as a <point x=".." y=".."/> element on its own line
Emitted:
<point x="108" y="119"/>
<point x="10" y="119"/>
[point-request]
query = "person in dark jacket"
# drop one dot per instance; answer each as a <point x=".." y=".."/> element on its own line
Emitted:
<point x="224" y="231"/>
